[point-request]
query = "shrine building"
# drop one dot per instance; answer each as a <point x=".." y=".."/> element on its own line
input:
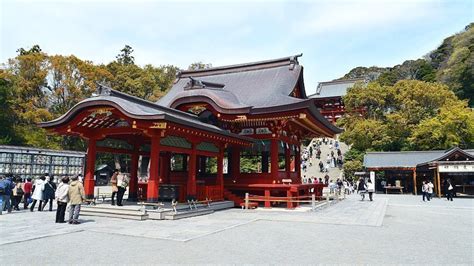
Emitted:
<point x="328" y="97"/>
<point x="405" y="171"/>
<point x="218" y="133"/>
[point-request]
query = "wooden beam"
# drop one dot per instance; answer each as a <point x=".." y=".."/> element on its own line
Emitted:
<point x="119" y="151"/>
<point x="438" y="180"/>
<point x="154" y="175"/>
<point x="414" y="181"/>
<point x="89" y="181"/>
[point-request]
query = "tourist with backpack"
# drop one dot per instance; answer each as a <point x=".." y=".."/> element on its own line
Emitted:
<point x="6" y="188"/>
<point x="17" y="193"/>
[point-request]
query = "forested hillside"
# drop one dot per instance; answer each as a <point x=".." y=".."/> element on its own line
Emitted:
<point x="452" y="63"/>
<point x="37" y="87"/>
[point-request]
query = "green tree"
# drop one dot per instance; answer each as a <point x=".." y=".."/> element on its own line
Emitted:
<point x="35" y="49"/>
<point x="399" y="117"/>
<point x="7" y="115"/>
<point x="350" y="167"/>
<point x="454" y="126"/>
<point x="199" y="65"/>
<point x="125" y="57"/>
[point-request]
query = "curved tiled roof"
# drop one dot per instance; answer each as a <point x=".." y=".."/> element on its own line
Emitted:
<point x="257" y="85"/>
<point x="335" y="88"/>
<point x="138" y="108"/>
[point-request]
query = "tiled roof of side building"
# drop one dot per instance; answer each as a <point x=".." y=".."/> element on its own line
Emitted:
<point x="244" y="86"/>
<point x="408" y="159"/>
<point x="335" y="88"/>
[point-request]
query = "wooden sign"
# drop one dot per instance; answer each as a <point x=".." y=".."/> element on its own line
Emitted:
<point x="456" y="168"/>
<point x="247" y="131"/>
<point x="263" y="130"/>
<point x="158" y="125"/>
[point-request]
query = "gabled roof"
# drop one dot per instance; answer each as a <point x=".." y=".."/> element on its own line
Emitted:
<point x="137" y="108"/>
<point x="245" y="86"/>
<point x="407" y="159"/>
<point x="335" y="88"/>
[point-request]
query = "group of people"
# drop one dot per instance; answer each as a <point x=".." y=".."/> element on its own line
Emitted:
<point x="333" y="159"/>
<point x="364" y="187"/>
<point x="427" y="190"/>
<point x="14" y="190"/>
<point x="119" y="183"/>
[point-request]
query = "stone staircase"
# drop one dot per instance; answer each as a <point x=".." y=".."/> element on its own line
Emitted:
<point x="231" y="196"/>
<point x="135" y="212"/>
<point x="124" y="212"/>
<point x="334" y="173"/>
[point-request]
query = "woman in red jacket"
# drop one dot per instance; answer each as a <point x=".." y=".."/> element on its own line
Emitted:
<point x="27" y="189"/>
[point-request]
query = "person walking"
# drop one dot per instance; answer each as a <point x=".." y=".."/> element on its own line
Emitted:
<point x="6" y="187"/>
<point x="17" y="193"/>
<point x="62" y="198"/>
<point x="370" y="189"/>
<point x="424" y="189"/>
<point x="27" y="187"/>
<point x="451" y="191"/>
<point x="49" y="193"/>
<point x="113" y="183"/>
<point x="321" y="166"/>
<point x="429" y="190"/>
<point x="122" y="184"/>
<point x="76" y="197"/>
<point x="362" y="188"/>
<point x="38" y="193"/>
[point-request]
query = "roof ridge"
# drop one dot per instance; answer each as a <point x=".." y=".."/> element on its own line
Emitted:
<point x="341" y="80"/>
<point x="289" y="60"/>
<point x="108" y="91"/>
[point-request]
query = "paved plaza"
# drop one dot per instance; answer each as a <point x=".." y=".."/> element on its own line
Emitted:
<point x="391" y="229"/>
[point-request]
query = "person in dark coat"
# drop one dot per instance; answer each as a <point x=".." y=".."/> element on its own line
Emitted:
<point x="49" y="193"/>
<point x="450" y="190"/>
<point x="362" y="188"/>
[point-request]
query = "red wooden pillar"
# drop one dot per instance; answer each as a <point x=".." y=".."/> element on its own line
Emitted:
<point x="298" y="165"/>
<point x="289" y="204"/>
<point x="89" y="181"/>
<point x="274" y="158"/>
<point x="154" y="175"/>
<point x="287" y="161"/>
<point x="267" y="198"/>
<point x="191" y="185"/>
<point x="220" y="171"/>
<point x="132" y="193"/>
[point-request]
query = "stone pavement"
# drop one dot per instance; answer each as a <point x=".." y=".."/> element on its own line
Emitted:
<point x="391" y="229"/>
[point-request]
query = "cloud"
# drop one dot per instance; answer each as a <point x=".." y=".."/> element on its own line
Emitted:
<point x="355" y="16"/>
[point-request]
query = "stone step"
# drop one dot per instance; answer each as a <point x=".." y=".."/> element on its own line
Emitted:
<point x="137" y="217"/>
<point x="187" y="214"/>
<point x="115" y="212"/>
<point x="160" y="214"/>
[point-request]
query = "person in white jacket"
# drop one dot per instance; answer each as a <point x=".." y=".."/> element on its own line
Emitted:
<point x="370" y="188"/>
<point x="62" y="199"/>
<point x="38" y="193"/>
